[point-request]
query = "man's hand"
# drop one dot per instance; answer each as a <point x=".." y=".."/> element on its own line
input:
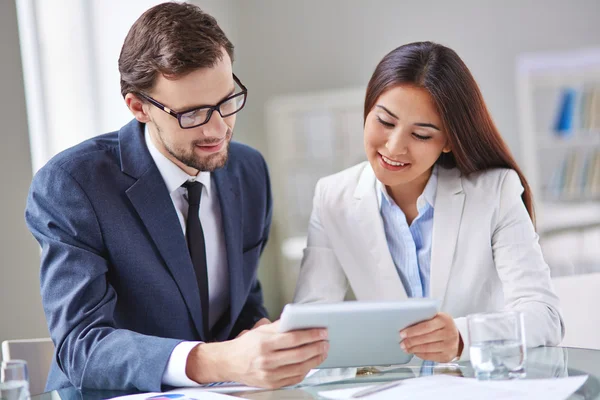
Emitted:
<point x="261" y="357"/>
<point x="437" y="339"/>
<point x="261" y="322"/>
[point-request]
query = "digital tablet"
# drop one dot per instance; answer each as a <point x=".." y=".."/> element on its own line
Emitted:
<point x="360" y="333"/>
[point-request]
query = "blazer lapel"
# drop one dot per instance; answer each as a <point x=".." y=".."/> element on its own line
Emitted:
<point x="371" y="237"/>
<point x="228" y="187"/>
<point x="151" y="200"/>
<point x="448" y="212"/>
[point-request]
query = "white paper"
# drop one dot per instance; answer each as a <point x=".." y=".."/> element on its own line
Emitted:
<point x="327" y="375"/>
<point x="450" y="388"/>
<point x="200" y="392"/>
<point x="221" y="388"/>
<point x="206" y="395"/>
<point x="558" y="388"/>
<point x="426" y="388"/>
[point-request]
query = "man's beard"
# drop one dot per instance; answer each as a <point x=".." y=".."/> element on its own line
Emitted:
<point x="188" y="157"/>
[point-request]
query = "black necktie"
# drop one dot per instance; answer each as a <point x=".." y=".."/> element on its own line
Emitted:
<point x="196" y="245"/>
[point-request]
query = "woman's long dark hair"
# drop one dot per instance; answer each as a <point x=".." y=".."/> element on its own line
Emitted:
<point x="475" y="140"/>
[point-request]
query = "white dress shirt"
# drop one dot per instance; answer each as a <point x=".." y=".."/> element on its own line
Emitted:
<point x="216" y="255"/>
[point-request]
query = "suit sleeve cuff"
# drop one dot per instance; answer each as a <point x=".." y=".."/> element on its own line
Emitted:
<point x="174" y="374"/>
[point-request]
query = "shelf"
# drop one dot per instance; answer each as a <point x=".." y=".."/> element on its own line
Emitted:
<point x="560" y="217"/>
<point x="576" y="139"/>
<point x="560" y="68"/>
<point x="572" y="199"/>
<point x="559" y="79"/>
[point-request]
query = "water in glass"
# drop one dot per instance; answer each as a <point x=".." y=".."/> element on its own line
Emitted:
<point x="497" y="358"/>
<point x="14" y="390"/>
<point x="497" y="347"/>
<point x="14" y="380"/>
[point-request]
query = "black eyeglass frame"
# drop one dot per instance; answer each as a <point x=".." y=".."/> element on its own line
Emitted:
<point x="210" y="109"/>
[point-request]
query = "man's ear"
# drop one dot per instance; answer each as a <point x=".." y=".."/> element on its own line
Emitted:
<point x="137" y="107"/>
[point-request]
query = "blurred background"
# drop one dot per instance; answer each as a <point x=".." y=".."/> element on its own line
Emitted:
<point x="306" y="65"/>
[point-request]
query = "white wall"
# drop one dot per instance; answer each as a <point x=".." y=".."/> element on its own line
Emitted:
<point x="287" y="46"/>
<point x="21" y="313"/>
<point x="298" y="46"/>
<point x="284" y="46"/>
<point x="110" y="22"/>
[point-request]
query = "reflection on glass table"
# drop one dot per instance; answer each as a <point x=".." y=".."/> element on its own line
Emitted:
<point x="542" y="362"/>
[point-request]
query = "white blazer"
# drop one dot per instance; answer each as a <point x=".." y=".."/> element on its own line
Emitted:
<point x="485" y="254"/>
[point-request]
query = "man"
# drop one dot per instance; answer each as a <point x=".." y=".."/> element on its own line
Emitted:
<point x="151" y="235"/>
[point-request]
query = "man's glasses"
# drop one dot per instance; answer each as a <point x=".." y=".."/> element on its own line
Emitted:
<point x="195" y="117"/>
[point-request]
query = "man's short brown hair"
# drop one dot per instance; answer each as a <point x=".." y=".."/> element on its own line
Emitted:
<point x="171" y="39"/>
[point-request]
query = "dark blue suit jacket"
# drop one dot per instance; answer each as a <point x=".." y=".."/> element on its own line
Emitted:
<point x="117" y="282"/>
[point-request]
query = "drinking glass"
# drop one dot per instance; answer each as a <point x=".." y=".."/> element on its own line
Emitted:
<point x="497" y="345"/>
<point x="14" y="380"/>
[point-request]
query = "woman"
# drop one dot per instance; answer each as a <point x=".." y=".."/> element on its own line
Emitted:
<point x="440" y="210"/>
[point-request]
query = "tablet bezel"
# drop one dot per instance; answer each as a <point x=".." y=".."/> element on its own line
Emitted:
<point x="348" y="327"/>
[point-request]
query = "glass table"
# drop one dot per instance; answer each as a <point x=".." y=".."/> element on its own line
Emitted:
<point x="542" y="362"/>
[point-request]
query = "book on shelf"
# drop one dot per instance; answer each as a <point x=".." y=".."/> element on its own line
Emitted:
<point x="556" y="184"/>
<point x="572" y="187"/>
<point x="593" y="187"/>
<point x="578" y="110"/>
<point x="564" y="120"/>
<point x="577" y="172"/>
<point x="591" y="119"/>
<point x="576" y="177"/>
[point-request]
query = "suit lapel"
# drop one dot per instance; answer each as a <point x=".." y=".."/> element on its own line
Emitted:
<point x="371" y="237"/>
<point x="228" y="187"/>
<point x="151" y="200"/>
<point x="448" y="211"/>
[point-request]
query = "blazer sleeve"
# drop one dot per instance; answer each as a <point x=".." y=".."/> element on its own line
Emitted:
<point x="78" y="300"/>
<point x="521" y="267"/>
<point x="321" y="278"/>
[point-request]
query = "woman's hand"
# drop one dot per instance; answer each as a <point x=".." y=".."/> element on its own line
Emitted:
<point x="437" y="339"/>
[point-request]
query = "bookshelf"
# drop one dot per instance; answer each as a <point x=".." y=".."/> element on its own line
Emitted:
<point x="559" y="119"/>
<point x="310" y="136"/>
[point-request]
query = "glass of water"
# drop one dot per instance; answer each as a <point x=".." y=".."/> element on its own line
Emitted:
<point x="497" y="345"/>
<point x="14" y="380"/>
